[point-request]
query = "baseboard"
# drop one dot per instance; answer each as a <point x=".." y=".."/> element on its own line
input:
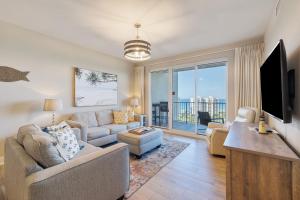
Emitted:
<point x="184" y="134"/>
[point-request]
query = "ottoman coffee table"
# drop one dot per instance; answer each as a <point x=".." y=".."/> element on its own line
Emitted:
<point x="140" y="144"/>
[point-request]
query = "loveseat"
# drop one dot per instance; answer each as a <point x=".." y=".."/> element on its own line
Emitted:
<point x="98" y="128"/>
<point x="94" y="173"/>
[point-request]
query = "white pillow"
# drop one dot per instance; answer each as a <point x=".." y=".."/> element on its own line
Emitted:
<point x="67" y="143"/>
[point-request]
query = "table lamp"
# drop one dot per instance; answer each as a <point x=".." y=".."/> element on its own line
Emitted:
<point x="53" y="105"/>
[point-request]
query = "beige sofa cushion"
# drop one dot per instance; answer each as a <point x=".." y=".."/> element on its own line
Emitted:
<point x="31" y="129"/>
<point x="42" y="149"/>
<point x="104" y="117"/>
<point x="88" y="118"/>
<point x="116" y="128"/>
<point x="97" y="132"/>
<point x="87" y="149"/>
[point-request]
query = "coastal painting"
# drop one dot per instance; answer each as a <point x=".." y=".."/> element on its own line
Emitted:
<point x="93" y="88"/>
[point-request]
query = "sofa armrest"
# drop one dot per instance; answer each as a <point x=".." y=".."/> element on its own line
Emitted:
<point x="88" y="177"/>
<point x="82" y="126"/>
<point x="217" y="140"/>
<point x="218" y="131"/>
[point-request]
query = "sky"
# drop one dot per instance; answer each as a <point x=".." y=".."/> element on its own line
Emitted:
<point x="210" y="82"/>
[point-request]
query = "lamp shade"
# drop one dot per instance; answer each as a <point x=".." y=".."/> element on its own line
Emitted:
<point x="53" y="105"/>
<point x="134" y="102"/>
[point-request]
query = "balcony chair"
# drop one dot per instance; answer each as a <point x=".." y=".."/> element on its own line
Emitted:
<point x="155" y="113"/>
<point x="163" y="113"/>
<point x="216" y="132"/>
<point x="204" y="118"/>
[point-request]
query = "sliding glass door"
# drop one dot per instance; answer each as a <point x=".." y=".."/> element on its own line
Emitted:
<point x="191" y="97"/>
<point x="183" y="97"/>
<point x="211" y="100"/>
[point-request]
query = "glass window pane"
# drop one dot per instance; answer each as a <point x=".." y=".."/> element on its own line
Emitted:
<point x="159" y="98"/>
<point x="211" y="94"/>
<point x="183" y="99"/>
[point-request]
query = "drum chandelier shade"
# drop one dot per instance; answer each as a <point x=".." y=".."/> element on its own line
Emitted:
<point x="137" y="50"/>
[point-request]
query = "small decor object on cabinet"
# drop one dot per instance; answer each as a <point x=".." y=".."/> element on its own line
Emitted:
<point x="262" y="126"/>
<point x="94" y="88"/>
<point x="8" y="74"/>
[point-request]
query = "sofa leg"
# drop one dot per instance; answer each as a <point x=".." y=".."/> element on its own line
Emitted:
<point x="121" y="198"/>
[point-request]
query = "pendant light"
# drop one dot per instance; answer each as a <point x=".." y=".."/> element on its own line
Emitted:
<point x="137" y="49"/>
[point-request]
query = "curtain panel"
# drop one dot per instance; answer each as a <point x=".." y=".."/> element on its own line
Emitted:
<point x="139" y="87"/>
<point x="248" y="60"/>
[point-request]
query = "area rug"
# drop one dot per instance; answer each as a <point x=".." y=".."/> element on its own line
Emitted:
<point x="150" y="164"/>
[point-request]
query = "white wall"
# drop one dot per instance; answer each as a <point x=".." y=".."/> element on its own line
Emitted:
<point x="50" y="63"/>
<point x="286" y="26"/>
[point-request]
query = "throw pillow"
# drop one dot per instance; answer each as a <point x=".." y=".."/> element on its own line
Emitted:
<point x="120" y="117"/>
<point x="130" y="116"/>
<point x="27" y="129"/>
<point x="67" y="144"/>
<point x="42" y="148"/>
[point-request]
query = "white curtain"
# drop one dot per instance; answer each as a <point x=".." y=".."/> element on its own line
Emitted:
<point x="248" y="60"/>
<point x="139" y="87"/>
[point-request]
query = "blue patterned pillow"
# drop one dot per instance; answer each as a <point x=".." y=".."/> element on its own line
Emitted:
<point x="67" y="144"/>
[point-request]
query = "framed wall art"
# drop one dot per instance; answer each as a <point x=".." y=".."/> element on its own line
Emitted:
<point x="93" y="88"/>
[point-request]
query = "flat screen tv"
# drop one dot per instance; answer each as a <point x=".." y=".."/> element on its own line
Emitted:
<point x="274" y="85"/>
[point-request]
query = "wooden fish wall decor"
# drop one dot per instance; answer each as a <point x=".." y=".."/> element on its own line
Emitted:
<point x="8" y="74"/>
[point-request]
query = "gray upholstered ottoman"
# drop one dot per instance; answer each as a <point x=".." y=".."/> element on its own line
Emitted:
<point x="140" y="144"/>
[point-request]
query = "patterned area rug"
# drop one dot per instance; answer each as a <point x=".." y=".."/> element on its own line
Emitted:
<point x="146" y="167"/>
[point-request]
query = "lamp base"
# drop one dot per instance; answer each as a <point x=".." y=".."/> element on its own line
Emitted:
<point x="53" y="118"/>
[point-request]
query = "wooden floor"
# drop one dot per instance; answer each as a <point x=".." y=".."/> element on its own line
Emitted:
<point x="192" y="175"/>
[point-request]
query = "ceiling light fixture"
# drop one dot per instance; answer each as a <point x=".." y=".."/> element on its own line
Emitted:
<point x="137" y="50"/>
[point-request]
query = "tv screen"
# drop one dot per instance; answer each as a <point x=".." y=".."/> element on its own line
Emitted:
<point x="274" y="84"/>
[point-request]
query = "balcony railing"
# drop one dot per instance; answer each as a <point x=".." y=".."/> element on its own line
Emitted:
<point x="189" y="113"/>
<point x="204" y="112"/>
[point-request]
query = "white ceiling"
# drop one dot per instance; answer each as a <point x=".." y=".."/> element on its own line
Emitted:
<point x="172" y="26"/>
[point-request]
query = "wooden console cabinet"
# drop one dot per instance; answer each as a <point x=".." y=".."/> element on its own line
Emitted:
<point x="260" y="166"/>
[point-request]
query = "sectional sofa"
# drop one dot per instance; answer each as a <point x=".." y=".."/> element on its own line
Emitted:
<point x="34" y="169"/>
<point x="98" y="128"/>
